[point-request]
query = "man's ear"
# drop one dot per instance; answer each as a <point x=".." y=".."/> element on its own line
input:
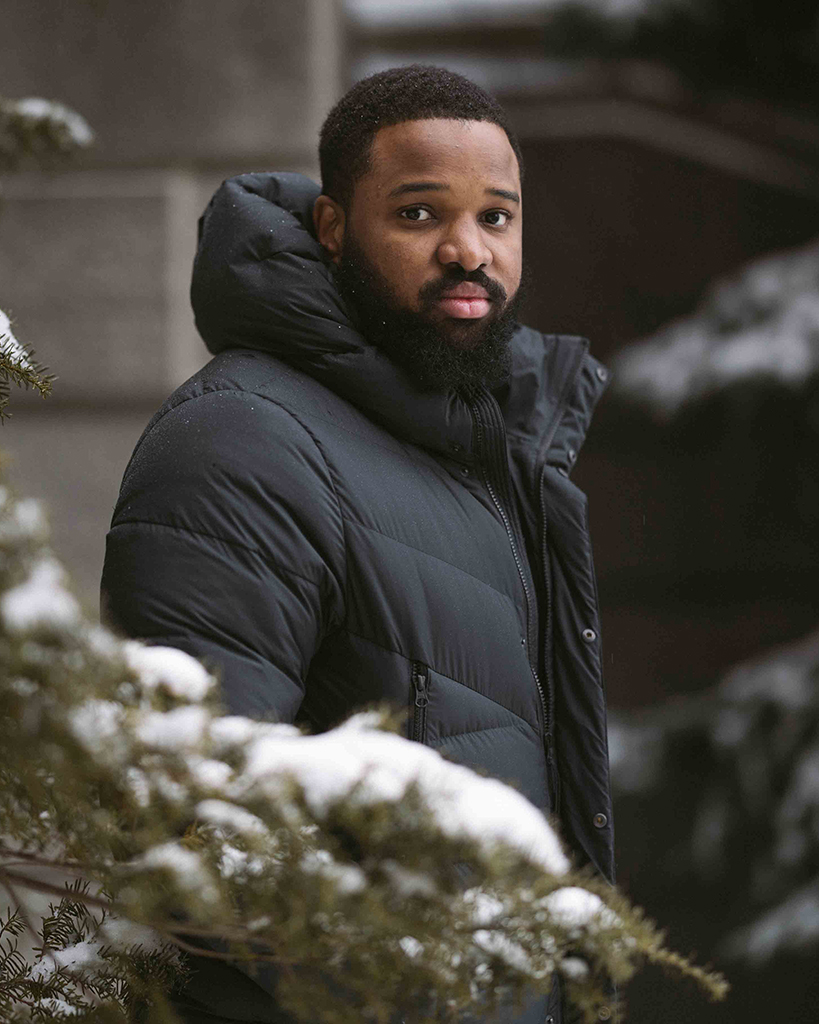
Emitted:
<point x="329" y="221"/>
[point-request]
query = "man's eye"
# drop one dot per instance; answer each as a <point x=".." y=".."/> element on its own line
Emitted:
<point x="497" y="218"/>
<point x="417" y="214"/>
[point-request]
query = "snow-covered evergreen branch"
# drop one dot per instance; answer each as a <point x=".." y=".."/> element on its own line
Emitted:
<point x="750" y="747"/>
<point x="391" y="877"/>
<point x="18" y="366"/>
<point x="39" y="129"/>
<point x="759" y="325"/>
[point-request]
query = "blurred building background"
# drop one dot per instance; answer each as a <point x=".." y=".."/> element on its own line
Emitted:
<point x="642" y="188"/>
<point x="95" y="260"/>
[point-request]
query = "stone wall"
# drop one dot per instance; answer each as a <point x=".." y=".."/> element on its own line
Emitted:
<point x="95" y="260"/>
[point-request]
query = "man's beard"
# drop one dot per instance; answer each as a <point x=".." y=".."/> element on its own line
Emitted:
<point x="454" y="354"/>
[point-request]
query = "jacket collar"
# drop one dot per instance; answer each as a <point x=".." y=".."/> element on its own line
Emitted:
<point x="261" y="281"/>
<point x="554" y="387"/>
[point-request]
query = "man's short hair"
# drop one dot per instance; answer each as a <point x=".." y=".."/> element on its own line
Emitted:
<point x="417" y="92"/>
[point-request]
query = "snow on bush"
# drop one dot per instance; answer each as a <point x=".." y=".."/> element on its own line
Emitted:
<point x="344" y="852"/>
<point x="9" y="344"/>
<point x="39" y="128"/>
<point x="761" y="324"/>
<point x="359" y="762"/>
<point x="17" y="362"/>
<point x="748" y="749"/>
<point x="39" y="601"/>
<point x="56" y="115"/>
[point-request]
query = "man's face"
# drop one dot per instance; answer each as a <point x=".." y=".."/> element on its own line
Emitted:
<point x="429" y="251"/>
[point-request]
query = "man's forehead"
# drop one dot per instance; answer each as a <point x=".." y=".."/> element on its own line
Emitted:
<point x="438" y="149"/>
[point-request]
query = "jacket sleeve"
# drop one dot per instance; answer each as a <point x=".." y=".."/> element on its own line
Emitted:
<point x="228" y="542"/>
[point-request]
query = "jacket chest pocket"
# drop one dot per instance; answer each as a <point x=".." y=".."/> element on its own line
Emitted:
<point x="419" y="700"/>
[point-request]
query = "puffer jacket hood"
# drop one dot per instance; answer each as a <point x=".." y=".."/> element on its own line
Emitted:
<point x="261" y="281"/>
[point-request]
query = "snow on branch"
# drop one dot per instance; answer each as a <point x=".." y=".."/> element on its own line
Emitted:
<point x="18" y="366"/>
<point x="762" y="324"/>
<point x="396" y="880"/>
<point x="39" y="129"/>
<point x="792" y="926"/>
<point x="749" y="748"/>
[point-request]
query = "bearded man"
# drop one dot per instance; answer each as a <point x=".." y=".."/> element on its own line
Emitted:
<point x="364" y="496"/>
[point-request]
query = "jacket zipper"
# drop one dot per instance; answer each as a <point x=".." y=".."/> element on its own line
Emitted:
<point x="420" y="683"/>
<point x="547" y="646"/>
<point x="488" y="403"/>
<point x="547" y="620"/>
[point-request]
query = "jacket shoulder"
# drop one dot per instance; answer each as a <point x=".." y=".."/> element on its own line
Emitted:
<point x="304" y="396"/>
<point x="221" y="441"/>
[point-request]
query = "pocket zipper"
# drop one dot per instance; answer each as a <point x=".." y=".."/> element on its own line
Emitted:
<point x="420" y="682"/>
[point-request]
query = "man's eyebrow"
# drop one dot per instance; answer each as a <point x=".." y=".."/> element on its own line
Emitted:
<point x="437" y="186"/>
<point x="513" y="197"/>
<point x="418" y="186"/>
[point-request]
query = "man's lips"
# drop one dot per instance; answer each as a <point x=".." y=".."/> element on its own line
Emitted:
<point x="465" y="301"/>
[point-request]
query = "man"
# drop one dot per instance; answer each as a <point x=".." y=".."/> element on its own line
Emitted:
<point x="364" y="495"/>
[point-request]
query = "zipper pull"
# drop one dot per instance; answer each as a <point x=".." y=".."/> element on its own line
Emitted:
<point x="419" y="681"/>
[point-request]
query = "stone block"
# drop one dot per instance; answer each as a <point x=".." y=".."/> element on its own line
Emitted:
<point x="162" y="82"/>
<point x="95" y="271"/>
<point x="72" y="460"/>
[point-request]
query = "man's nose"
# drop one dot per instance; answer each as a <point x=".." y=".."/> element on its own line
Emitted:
<point x="464" y="244"/>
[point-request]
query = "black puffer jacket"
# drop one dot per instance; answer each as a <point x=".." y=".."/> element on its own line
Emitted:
<point x="300" y="515"/>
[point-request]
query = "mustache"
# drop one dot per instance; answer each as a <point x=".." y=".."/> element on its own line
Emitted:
<point x="434" y="290"/>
